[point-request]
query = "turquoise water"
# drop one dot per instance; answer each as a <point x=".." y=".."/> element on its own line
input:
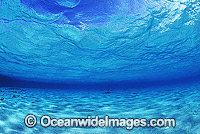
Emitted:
<point x="99" y="41"/>
<point x="122" y="58"/>
<point x="179" y="102"/>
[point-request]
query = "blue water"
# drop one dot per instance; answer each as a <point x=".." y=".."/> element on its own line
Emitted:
<point x="81" y="46"/>
<point x="99" y="41"/>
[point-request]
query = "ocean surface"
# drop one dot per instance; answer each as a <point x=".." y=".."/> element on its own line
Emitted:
<point x="122" y="58"/>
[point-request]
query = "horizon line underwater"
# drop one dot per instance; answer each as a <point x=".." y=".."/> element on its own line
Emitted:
<point x="99" y="67"/>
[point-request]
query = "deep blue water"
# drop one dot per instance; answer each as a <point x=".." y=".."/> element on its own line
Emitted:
<point x="96" y="47"/>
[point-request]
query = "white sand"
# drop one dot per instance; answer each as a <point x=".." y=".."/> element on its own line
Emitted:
<point x="179" y="102"/>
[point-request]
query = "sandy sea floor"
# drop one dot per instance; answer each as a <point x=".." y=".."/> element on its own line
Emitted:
<point x="179" y="102"/>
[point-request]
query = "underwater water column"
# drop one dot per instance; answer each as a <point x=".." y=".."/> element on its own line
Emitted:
<point x="135" y="62"/>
